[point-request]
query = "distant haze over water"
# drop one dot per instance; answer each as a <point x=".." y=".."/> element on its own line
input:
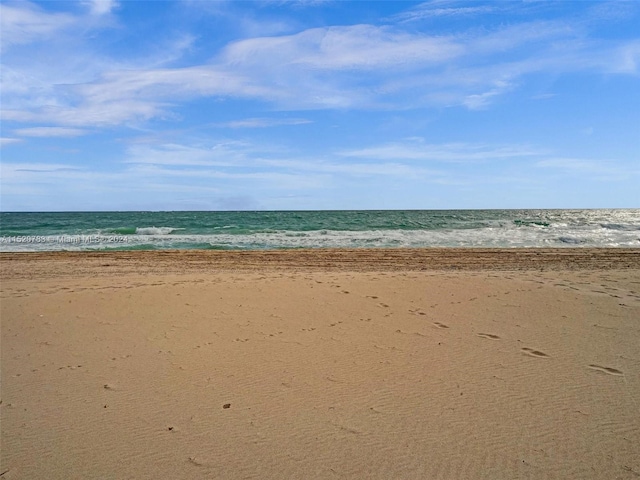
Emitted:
<point x="246" y="230"/>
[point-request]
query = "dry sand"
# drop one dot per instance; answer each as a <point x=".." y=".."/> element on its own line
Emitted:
<point x="386" y="364"/>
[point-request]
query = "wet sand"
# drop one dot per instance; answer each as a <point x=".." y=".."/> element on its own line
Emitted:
<point x="426" y="363"/>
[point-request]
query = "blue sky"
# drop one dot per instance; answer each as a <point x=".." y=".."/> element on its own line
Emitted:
<point x="279" y="105"/>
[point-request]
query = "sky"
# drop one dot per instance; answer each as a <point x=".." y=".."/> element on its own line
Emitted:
<point x="319" y="105"/>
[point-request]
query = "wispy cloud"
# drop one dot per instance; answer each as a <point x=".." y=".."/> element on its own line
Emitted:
<point x="339" y="67"/>
<point x="222" y="154"/>
<point x="446" y="8"/>
<point x="415" y="149"/>
<point x="482" y="100"/>
<point x="179" y="174"/>
<point x="50" y="132"/>
<point x="626" y="58"/>
<point x="360" y="47"/>
<point x="23" y="23"/>
<point x="354" y="169"/>
<point x="9" y="141"/>
<point x="237" y="158"/>
<point x="263" y="122"/>
<point x="101" y="7"/>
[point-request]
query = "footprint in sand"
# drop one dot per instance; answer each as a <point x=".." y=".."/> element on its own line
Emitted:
<point x="609" y="370"/>
<point x="440" y="325"/>
<point x="197" y="462"/>
<point x="534" y="353"/>
<point x="488" y="335"/>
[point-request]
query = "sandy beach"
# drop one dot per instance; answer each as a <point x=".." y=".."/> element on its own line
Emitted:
<point x="406" y="364"/>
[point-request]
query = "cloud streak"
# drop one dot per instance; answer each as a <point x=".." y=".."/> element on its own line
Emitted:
<point x="435" y="9"/>
<point x="416" y="149"/>
<point x="24" y="23"/>
<point x="263" y="122"/>
<point x="50" y="132"/>
<point x="9" y="141"/>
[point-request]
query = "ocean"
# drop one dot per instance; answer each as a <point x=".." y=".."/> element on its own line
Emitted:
<point x="244" y="230"/>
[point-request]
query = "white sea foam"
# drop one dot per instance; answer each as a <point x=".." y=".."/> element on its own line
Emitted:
<point x="156" y="230"/>
<point x="534" y="236"/>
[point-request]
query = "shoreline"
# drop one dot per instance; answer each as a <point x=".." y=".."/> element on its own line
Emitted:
<point x="22" y="265"/>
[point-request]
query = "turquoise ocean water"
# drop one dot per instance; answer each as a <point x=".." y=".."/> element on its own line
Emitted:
<point x="318" y="229"/>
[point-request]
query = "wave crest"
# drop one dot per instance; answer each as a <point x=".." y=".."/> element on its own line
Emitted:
<point x="156" y="230"/>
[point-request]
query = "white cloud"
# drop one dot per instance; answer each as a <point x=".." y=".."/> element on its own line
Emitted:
<point x="339" y="67"/>
<point x="437" y="9"/>
<point x="24" y="23"/>
<point x="222" y="154"/>
<point x="263" y="122"/>
<point x="482" y="100"/>
<point x="50" y="132"/>
<point x="101" y="7"/>
<point x="384" y="169"/>
<point x="360" y="47"/>
<point x="121" y="97"/>
<point x="9" y="141"/>
<point x="416" y="149"/>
